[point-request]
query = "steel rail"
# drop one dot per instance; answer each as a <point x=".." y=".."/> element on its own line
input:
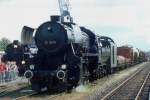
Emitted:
<point x="142" y="87"/>
<point x="25" y="96"/>
<point x="121" y="85"/>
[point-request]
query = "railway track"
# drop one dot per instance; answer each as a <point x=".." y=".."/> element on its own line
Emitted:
<point x="37" y="96"/>
<point x="25" y="96"/>
<point x="132" y="88"/>
<point x="13" y="91"/>
<point x="139" y="95"/>
<point x="18" y="93"/>
<point x="8" y="89"/>
<point x="23" y="93"/>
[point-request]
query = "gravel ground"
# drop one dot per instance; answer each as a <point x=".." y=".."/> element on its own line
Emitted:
<point x="91" y="91"/>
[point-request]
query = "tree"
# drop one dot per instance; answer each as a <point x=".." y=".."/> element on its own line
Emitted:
<point x="3" y="43"/>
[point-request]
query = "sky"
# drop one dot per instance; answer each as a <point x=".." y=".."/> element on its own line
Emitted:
<point x="126" y="21"/>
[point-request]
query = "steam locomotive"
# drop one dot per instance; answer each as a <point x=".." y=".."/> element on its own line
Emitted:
<point x="67" y="54"/>
<point x="16" y="52"/>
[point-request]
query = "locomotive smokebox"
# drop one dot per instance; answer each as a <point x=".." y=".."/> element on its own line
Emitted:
<point x="55" y="18"/>
<point x="51" y="37"/>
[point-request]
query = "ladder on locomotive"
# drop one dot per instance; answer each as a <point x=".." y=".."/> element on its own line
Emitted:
<point x="84" y="73"/>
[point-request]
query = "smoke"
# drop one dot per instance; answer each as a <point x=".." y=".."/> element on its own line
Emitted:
<point x="82" y="88"/>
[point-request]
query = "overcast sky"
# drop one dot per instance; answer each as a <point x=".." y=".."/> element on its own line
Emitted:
<point x="126" y="21"/>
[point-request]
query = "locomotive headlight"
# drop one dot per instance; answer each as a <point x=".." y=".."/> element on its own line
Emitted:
<point x="23" y="62"/>
<point x="15" y="46"/>
<point x="28" y="74"/>
<point x="63" y="66"/>
<point x="31" y="66"/>
<point x="61" y="74"/>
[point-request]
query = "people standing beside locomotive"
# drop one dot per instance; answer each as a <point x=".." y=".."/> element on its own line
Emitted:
<point x="15" y="53"/>
<point x="12" y="72"/>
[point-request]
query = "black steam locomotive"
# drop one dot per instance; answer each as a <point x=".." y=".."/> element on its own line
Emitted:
<point x="67" y="54"/>
<point x="16" y="52"/>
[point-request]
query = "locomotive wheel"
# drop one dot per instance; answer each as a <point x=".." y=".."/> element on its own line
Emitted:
<point x="73" y="77"/>
<point x="49" y="87"/>
<point x="108" y="69"/>
<point x="69" y="88"/>
<point x="100" y="72"/>
<point x="36" y="87"/>
<point x="51" y="90"/>
<point x="92" y="77"/>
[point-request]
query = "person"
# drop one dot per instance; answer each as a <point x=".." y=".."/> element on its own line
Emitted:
<point x="2" y="72"/>
<point x="13" y="70"/>
<point x="7" y="73"/>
